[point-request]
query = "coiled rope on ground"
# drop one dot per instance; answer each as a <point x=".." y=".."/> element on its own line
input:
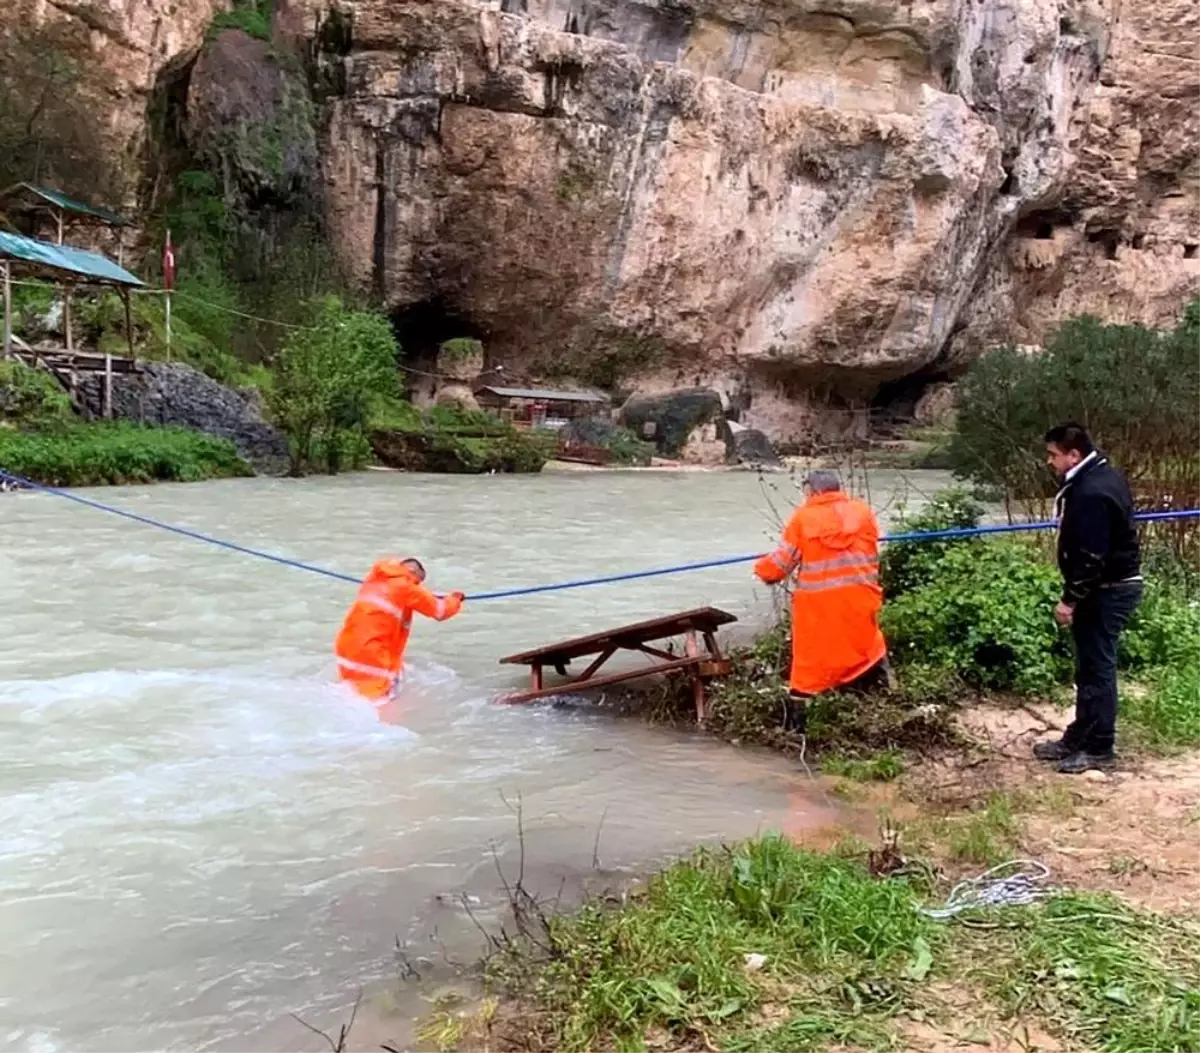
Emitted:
<point x="529" y="590"/>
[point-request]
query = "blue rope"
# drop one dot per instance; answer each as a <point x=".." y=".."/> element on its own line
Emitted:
<point x="182" y="531"/>
<point x="578" y="583"/>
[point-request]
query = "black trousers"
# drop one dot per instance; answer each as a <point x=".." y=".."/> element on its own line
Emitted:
<point x="1095" y="629"/>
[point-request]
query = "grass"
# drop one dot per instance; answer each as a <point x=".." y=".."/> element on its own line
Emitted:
<point x="112" y="453"/>
<point x="882" y="767"/>
<point x="841" y="960"/>
<point x="1109" y="977"/>
<point x="1161" y="714"/>
<point x="675" y="959"/>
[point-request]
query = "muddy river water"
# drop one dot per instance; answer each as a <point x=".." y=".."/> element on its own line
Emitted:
<point x="200" y="834"/>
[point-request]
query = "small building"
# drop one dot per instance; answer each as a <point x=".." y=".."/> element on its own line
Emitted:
<point x="44" y="213"/>
<point x="540" y="407"/>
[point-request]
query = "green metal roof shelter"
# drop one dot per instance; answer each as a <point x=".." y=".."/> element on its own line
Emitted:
<point x="58" y="204"/>
<point x="68" y="267"/>
<point x="82" y="265"/>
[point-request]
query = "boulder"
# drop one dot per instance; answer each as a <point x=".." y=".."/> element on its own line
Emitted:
<point x="171" y="393"/>
<point x="750" y="447"/>
<point x="672" y="420"/>
<point x="936" y="405"/>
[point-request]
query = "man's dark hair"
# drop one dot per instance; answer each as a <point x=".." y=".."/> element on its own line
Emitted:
<point x="415" y="563"/>
<point x="1071" y="436"/>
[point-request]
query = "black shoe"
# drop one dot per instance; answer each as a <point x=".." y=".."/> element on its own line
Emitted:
<point x="1054" y="749"/>
<point x="1082" y="761"/>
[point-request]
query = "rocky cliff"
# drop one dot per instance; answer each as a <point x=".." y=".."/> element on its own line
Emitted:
<point x="800" y="204"/>
<point x="80" y="76"/>
<point x="795" y="202"/>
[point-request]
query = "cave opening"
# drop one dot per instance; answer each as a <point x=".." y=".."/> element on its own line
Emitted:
<point x="1041" y="225"/>
<point x="1109" y="241"/>
<point x="421" y="328"/>
<point x="895" y="402"/>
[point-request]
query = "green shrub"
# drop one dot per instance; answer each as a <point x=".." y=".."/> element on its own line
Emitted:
<point x="328" y="379"/>
<point x="113" y="453"/>
<point x="906" y="565"/>
<point x="32" y="398"/>
<point x="252" y="17"/>
<point x="1164" y="630"/>
<point x="985" y="611"/>
<point x="1134" y="388"/>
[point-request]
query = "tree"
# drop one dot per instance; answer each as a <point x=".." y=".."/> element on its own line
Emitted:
<point x="1134" y="388"/>
<point x="327" y="378"/>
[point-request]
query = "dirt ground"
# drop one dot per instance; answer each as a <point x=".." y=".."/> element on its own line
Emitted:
<point x="1134" y="831"/>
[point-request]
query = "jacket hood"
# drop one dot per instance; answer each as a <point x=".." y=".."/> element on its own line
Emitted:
<point x="841" y="519"/>
<point x="391" y="568"/>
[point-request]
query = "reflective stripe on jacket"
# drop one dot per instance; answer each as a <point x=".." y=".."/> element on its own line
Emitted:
<point x="831" y="545"/>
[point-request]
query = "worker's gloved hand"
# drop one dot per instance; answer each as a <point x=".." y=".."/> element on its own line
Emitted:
<point x="454" y="602"/>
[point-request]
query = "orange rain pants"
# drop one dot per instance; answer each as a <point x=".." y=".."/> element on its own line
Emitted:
<point x="831" y="544"/>
<point x="370" y="646"/>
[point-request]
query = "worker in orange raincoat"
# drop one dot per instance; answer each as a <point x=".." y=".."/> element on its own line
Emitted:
<point x="831" y="545"/>
<point x="370" y="646"/>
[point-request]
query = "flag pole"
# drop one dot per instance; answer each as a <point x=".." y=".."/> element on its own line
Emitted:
<point x="168" y="268"/>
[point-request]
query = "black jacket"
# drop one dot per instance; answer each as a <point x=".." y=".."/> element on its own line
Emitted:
<point x="1097" y="540"/>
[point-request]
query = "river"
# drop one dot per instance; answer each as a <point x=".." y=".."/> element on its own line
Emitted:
<point x="201" y="834"/>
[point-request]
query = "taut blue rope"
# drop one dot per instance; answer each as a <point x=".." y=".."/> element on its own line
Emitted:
<point x="578" y="583"/>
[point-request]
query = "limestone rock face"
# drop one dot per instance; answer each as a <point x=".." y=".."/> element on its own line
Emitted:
<point x="795" y="202"/>
<point x="101" y="61"/>
<point x="1119" y="236"/>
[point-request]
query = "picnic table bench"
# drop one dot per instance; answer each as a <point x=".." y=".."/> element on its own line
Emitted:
<point x="697" y="627"/>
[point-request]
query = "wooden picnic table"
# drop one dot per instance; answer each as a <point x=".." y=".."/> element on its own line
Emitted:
<point x="643" y="638"/>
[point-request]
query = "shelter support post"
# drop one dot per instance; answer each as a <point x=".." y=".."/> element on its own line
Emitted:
<point x="128" y="324"/>
<point x="7" y="310"/>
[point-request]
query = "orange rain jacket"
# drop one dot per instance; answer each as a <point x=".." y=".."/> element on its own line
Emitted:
<point x="832" y="545"/>
<point x="370" y="646"/>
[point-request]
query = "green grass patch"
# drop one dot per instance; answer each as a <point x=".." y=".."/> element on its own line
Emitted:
<point x="32" y="398"/>
<point x="768" y="946"/>
<point x="882" y="767"/>
<point x="112" y="453"/>
<point x="252" y="17"/>
<point x="1104" y="976"/>
<point x="1162" y="713"/>
<point x="835" y="941"/>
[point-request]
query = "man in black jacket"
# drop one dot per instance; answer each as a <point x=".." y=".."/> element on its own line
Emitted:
<point x="1102" y="586"/>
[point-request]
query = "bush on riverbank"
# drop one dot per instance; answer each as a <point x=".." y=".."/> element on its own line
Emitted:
<point x="1136" y="388"/>
<point x="31" y="398"/>
<point x="768" y="946"/>
<point x="964" y="616"/>
<point x="456" y="441"/>
<point x="327" y="378"/>
<point x="103" y="453"/>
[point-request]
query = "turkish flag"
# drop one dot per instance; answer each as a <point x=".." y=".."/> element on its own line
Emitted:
<point x="168" y="264"/>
